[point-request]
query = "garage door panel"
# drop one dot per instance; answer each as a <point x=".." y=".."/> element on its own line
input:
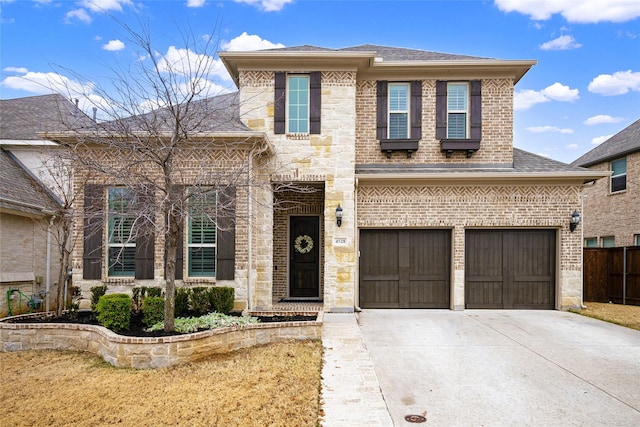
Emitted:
<point x="419" y="259"/>
<point x="510" y="269"/>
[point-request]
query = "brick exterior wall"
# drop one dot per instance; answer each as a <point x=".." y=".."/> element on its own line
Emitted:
<point x="496" y="146"/>
<point x="23" y="258"/>
<point x="462" y="207"/>
<point x="201" y="166"/>
<point x="613" y="214"/>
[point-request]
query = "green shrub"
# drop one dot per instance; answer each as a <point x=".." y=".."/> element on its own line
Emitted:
<point x="199" y="301"/>
<point x="221" y="299"/>
<point x="182" y="301"/>
<point x="114" y="311"/>
<point x="154" y="291"/>
<point x="96" y="293"/>
<point x="140" y="293"/>
<point x="152" y="310"/>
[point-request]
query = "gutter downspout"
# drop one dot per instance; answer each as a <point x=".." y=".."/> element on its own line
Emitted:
<point x="250" y="229"/>
<point x="582" y="196"/>
<point x="48" y="272"/>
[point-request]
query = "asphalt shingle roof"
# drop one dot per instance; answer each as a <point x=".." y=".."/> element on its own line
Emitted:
<point x="387" y="53"/>
<point x="19" y="190"/>
<point x="624" y="142"/>
<point x="23" y="118"/>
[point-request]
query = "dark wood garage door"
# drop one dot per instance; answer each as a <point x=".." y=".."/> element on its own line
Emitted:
<point x="405" y="268"/>
<point x="510" y="269"/>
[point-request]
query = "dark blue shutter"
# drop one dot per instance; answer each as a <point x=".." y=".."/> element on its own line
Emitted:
<point x="93" y="230"/>
<point x="315" y="101"/>
<point x="279" y="104"/>
<point x="381" y="109"/>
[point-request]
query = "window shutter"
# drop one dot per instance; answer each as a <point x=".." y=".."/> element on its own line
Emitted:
<point x="381" y="115"/>
<point x="93" y="224"/>
<point x="145" y="237"/>
<point x="416" y="109"/>
<point x="441" y="109"/>
<point x="476" y="109"/>
<point x="226" y="240"/>
<point x="315" y="101"/>
<point x="279" y="103"/>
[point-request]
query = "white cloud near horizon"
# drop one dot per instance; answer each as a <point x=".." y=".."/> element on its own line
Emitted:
<point x="266" y="5"/>
<point x="541" y="129"/>
<point x="600" y="139"/>
<point x="565" y="42"/>
<point x="113" y="45"/>
<point x="20" y="70"/>
<point x="617" y="83"/>
<point x="578" y="11"/>
<point x="602" y="119"/>
<point x="527" y="98"/>
<point x="45" y="83"/>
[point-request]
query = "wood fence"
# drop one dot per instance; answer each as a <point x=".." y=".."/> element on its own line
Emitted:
<point x="612" y="275"/>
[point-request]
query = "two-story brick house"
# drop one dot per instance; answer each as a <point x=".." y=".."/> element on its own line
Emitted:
<point x="402" y="187"/>
<point x="611" y="206"/>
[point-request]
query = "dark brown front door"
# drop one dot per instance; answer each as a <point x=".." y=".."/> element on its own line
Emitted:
<point x="304" y="257"/>
<point x="510" y="269"/>
<point x="405" y="268"/>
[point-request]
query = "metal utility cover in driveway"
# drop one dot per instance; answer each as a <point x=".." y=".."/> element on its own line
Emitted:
<point x="504" y="367"/>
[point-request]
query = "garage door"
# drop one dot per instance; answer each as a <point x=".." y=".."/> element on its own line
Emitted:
<point x="510" y="269"/>
<point x="405" y="268"/>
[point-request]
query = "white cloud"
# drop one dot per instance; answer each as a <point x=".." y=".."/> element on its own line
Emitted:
<point x="186" y="62"/>
<point x="43" y="83"/>
<point x="525" y="99"/>
<point x="560" y="92"/>
<point x="571" y="146"/>
<point x="79" y="14"/>
<point x="547" y="155"/>
<point x="267" y="5"/>
<point x="561" y="43"/>
<point x="600" y="139"/>
<point x="195" y="3"/>
<point x="579" y="11"/>
<point x="541" y="129"/>
<point x="245" y="42"/>
<point x="104" y="5"/>
<point x="601" y="119"/>
<point x="20" y="70"/>
<point x="619" y="83"/>
<point x="113" y="45"/>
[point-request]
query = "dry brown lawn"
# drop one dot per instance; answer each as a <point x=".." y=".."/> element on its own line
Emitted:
<point x="625" y="315"/>
<point x="272" y="385"/>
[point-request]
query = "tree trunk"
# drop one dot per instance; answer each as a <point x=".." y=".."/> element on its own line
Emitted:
<point x="66" y="225"/>
<point x="171" y="244"/>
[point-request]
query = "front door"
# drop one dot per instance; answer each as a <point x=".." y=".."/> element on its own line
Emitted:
<point x="304" y="257"/>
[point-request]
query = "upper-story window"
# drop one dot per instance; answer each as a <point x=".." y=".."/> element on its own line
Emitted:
<point x="619" y="175"/>
<point x="457" y="110"/>
<point x="398" y="111"/>
<point x="297" y="103"/>
<point x="121" y="234"/>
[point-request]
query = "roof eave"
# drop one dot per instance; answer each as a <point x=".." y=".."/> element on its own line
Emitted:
<point x="609" y="158"/>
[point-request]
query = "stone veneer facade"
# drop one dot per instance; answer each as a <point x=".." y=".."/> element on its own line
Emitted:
<point x="613" y="214"/>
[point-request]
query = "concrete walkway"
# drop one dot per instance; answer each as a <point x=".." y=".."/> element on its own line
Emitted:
<point x="351" y="393"/>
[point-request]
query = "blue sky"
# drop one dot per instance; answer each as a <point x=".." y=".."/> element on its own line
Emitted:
<point x="585" y="87"/>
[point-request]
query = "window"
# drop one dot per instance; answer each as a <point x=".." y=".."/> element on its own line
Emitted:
<point x="457" y="110"/>
<point x="202" y="234"/>
<point x="121" y="233"/>
<point x="619" y="175"/>
<point x="398" y="111"/>
<point x="608" y="241"/>
<point x="636" y="239"/>
<point x="297" y="103"/>
<point x="591" y="242"/>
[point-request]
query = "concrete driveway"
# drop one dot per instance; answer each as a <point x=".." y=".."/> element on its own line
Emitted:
<point x="502" y="368"/>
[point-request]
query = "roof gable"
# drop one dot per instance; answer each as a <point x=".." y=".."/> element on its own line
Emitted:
<point x="625" y="142"/>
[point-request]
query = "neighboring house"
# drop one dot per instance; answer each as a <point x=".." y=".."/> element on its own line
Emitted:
<point x="612" y="206"/>
<point x="29" y="256"/>
<point x="420" y="201"/>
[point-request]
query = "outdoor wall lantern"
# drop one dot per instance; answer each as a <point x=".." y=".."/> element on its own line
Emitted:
<point x="575" y="220"/>
<point x="339" y="215"/>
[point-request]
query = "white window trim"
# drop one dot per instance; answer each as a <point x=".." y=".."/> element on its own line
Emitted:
<point x="407" y="111"/>
<point x="616" y="176"/>
<point x="287" y="98"/>
<point x="465" y="111"/>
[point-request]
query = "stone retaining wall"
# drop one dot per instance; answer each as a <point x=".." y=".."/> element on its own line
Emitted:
<point x="150" y="352"/>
